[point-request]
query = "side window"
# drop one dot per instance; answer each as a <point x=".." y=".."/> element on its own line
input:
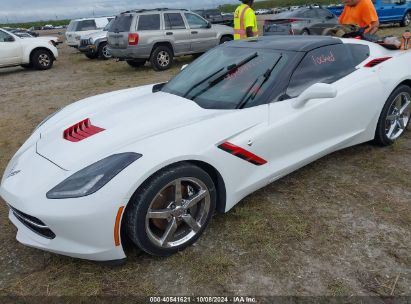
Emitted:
<point x="4" y="37"/>
<point x="322" y="13"/>
<point x="86" y="25"/>
<point x="195" y="21"/>
<point x="149" y="22"/>
<point x="174" y="21"/>
<point x="309" y="14"/>
<point x="359" y="52"/>
<point x="325" y="65"/>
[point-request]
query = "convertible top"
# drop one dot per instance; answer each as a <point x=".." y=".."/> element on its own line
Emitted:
<point x="288" y="43"/>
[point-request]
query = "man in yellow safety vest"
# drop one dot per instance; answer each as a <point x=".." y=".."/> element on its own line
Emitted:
<point x="245" y="21"/>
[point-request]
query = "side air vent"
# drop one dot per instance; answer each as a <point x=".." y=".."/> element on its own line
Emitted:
<point x="376" y="61"/>
<point x="242" y="153"/>
<point x="81" y="130"/>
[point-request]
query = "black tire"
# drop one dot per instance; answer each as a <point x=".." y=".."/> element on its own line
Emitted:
<point x="162" y="58"/>
<point x="225" y="39"/>
<point x="42" y="59"/>
<point x="305" y="32"/>
<point x="381" y="138"/>
<point x="136" y="63"/>
<point x="27" y="66"/>
<point x="139" y="205"/>
<point x="406" y="20"/>
<point x="91" y="55"/>
<point x="103" y="52"/>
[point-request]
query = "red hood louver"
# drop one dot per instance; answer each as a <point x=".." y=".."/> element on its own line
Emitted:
<point x="81" y="130"/>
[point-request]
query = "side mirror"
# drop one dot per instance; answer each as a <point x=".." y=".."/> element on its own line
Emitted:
<point x="209" y="25"/>
<point x="9" y="39"/>
<point x="183" y="67"/>
<point x="316" y="91"/>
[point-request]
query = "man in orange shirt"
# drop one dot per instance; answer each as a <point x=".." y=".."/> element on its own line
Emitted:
<point x="362" y="13"/>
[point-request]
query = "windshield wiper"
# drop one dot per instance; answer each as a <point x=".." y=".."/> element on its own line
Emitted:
<point x="247" y="96"/>
<point x="202" y="81"/>
<point x="229" y="70"/>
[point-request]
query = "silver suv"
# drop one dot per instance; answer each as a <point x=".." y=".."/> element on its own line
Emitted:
<point x="159" y="35"/>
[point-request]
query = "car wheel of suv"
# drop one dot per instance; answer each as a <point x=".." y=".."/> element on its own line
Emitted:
<point x="42" y="59"/>
<point x="172" y="210"/>
<point x="226" y="39"/>
<point x="406" y="20"/>
<point x="136" y="63"/>
<point x="91" y="55"/>
<point x="395" y="116"/>
<point x="162" y="58"/>
<point x="103" y="51"/>
<point x="27" y="66"/>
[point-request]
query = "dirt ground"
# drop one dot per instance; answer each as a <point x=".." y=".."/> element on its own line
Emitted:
<point x="340" y="226"/>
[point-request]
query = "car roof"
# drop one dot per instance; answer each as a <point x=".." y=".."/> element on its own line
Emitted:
<point x="288" y="43"/>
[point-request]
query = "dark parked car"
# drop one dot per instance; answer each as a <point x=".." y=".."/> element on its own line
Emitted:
<point x="216" y="17"/>
<point x="302" y="21"/>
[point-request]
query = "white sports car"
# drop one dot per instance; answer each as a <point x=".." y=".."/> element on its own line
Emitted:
<point x="152" y="164"/>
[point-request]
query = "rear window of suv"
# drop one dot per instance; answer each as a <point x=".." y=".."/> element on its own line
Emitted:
<point x="121" y="23"/>
<point x="149" y="22"/>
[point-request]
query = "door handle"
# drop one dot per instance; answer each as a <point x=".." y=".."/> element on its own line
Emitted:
<point x="169" y="33"/>
<point x="194" y="32"/>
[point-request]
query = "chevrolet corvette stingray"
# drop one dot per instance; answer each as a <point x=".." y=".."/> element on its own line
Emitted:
<point x="152" y="164"/>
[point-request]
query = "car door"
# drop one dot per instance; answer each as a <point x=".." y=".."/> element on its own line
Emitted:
<point x="325" y="19"/>
<point x="300" y="135"/>
<point x="203" y="37"/>
<point x="385" y="11"/>
<point x="10" y="49"/>
<point x="176" y="30"/>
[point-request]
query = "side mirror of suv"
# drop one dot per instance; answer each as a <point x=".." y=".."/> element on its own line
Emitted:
<point x="9" y="39"/>
<point x="209" y="25"/>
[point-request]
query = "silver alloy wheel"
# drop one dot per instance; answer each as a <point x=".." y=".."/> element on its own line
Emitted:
<point x="178" y="212"/>
<point x="105" y="52"/>
<point x="163" y="58"/>
<point x="407" y="19"/>
<point x="398" y="116"/>
<point x="44" y="60"/>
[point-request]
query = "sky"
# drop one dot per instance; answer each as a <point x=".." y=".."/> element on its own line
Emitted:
<point x="33" y="10"/>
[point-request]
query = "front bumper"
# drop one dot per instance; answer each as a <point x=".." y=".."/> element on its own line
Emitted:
<point x="82" y="228"/>
<point x="88" y="49"/>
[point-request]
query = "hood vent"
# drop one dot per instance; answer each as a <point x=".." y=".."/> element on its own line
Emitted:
<point x="81" y="130"/>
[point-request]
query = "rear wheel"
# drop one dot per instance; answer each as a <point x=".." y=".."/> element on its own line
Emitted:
<point x="406" y="21"/>
<point x="172" y="210"/>
<point x="103" y="51"/>
<point x="305" y="32"/>
<point x="162" y="58"/>
<point x="395" y="116"/>
<point x="42" y="59"/>
<point x="136" y="63"/>
<point x="226" y="39"/>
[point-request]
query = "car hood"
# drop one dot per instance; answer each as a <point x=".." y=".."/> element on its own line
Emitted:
<point x="95" y="35"/>
<point x="223" y="29"/>
<point x="126" y="117"/>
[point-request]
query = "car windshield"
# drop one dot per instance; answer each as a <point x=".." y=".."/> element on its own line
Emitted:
<point x="72" y="26"/>
<point x="228" y="77"/>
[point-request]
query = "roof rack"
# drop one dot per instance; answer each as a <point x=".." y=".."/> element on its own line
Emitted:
<point x="153" y="9"/>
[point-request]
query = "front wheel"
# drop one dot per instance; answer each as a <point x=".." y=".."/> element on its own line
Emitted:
<point x="162" y="58"/>
<point x="42" y="59"/>
<point x="103" y="51"/>
<point x="406" y="20"/>
<point x="172" y="210"/>
<point x="395" y="116"/>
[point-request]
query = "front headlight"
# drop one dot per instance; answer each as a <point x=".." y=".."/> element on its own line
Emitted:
<point x="92" y="178"/>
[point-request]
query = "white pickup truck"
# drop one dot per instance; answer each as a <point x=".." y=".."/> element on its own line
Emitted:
<point x="39" y="53"/>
